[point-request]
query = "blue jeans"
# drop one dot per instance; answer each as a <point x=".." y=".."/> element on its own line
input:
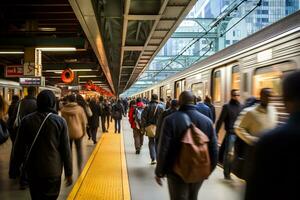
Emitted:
<point x="228" y="154"/>
<point x="117" y="125"/>
<point x="151" y="145"/>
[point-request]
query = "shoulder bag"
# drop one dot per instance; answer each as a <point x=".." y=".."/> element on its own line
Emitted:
<point x="24" y="164"/>
<point x="151" y="129"/>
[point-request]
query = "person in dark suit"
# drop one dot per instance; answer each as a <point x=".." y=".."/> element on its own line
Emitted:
<point x="276" y="155"/>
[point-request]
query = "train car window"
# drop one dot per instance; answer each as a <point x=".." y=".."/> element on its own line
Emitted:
<point x="198" y="89"/>
<point x="161" y="92"/>
<point x="148" y="95"/>
<point x="2" y="92"/>
<point x="271" y="77"/>
<point x="179" y="87"/>
<point x="235" y="78"/>
<point x="217" y="86"/>
<point x="245" y="82"/>
<point x="168" y="93"/>
<point x="10" y="94"/>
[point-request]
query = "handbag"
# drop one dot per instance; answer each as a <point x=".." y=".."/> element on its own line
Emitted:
<point x="24" y="164"/>
<point x="4" y="134"/>
<point x="151" y="129"/>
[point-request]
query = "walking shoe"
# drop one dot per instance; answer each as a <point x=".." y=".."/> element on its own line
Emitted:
<point x="137" y="151"/>
<point x="153" y="162"/>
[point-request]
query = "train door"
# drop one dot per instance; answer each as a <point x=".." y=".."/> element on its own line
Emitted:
<point x="179" y="87"/>
<point x="168" y="93"/>
<point x="271" y="77"/>
<point x="198" y="89"/>
<point x="218" y="91"/>
<point x="161" y="92"/>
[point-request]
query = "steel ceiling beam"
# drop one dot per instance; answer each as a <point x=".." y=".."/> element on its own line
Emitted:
<point x="161" y="10"/>
<point x="188" y="7"/>
<point x="85" y="13"/>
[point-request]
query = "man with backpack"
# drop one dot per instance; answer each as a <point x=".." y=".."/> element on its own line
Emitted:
<point x="135" y="118"/>
<point x="184" y="176"/>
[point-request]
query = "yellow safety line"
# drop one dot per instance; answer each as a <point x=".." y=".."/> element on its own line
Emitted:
<point x="105" y="174"/>
<point x="82" y="176"/>
<point x="126" y="190"/>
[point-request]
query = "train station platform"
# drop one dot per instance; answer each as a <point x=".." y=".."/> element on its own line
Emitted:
<point x="113" y="171"/>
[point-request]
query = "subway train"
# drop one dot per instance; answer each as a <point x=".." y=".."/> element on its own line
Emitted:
<point x="9" y="88"/>
<point x="258" y="61"/>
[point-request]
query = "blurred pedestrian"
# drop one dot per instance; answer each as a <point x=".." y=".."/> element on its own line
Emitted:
<point x="229" y="113"/>
<point x="208" y="102"/>
<point x="93" y="121"/>
<point x="76" y="121"/>
<point x="44" y="143"/>
<point x="117" y="113"/>
<point x="276" y="153"/>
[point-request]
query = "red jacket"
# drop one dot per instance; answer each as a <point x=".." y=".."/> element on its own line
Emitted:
<point x="131" y="114"/>
<point x="131" y="117"/>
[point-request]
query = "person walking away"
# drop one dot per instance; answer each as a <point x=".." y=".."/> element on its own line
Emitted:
<point x="125" y="105"/>
<point x="117" y="112"/>
<point x="76" y="121"/>
<point x="208" y="102"/>
<point x="202" y="108"/>
<point x="87" y="110"/>
<point x="4" y="132"/>
<point x="228" y="115"/>
<point x="10" y="121"/>
<point x="45" y="135"/>
<point x="135" y="118"/>
<point x="173" y="108"/>
<point x="149" y="119"/>
<point x="93" y="121"/>
<point x="102" y="113"/>
<point x="23" y="108"/>
<point x="173" y="128"/>
<point x="107" y="112"/>
<point x="162" y="102"/>
<point x="276" y="153"/>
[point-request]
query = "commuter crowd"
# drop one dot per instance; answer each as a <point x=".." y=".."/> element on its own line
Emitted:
<point x="182" y="139"/>
<point x="43" y="128"/>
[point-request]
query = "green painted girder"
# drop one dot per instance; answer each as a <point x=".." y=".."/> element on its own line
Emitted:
<point x="194" y="35"/>
<point x="7" y="42"/>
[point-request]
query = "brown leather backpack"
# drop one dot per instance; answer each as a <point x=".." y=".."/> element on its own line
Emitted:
<point x="193" y="162"/>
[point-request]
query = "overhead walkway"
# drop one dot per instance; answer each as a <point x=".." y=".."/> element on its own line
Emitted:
<point x="114" y="171"/>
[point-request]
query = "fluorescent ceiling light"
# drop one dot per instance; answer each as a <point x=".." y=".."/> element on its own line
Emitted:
<point x="47" y="29"/>
<point x="11" y="52"/>
<point x="87" y="76"/>
<point x="74" y="70"/>
<point x="57" y="48"/>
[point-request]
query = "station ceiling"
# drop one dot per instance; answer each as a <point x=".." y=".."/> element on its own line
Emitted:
<point x="115" y="39"/>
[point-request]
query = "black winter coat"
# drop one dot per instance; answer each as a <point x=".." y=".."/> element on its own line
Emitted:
<point x="51" y="151"/>
<point x="117" y="111"/>
<point x="229" y="114"/>
<point x="149" y="115"/>
<point x="275" y="172"/>
<point x="93" y="121"/>
<point x="172" y="131"/>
